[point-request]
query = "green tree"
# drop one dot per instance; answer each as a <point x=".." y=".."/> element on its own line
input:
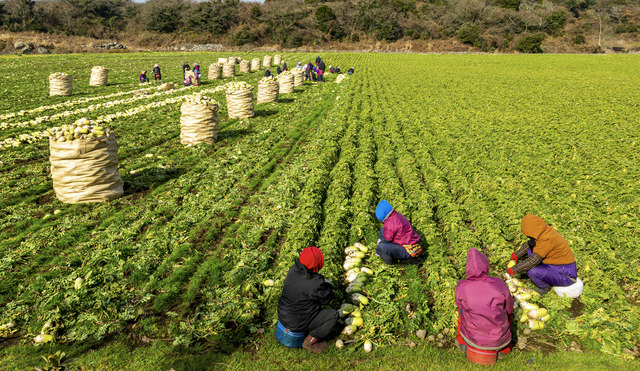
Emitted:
<point x="325" y="18"/>
<point x="214" y="17"/>
<point x="531" y="43"/>
<point x="165" y="16"/>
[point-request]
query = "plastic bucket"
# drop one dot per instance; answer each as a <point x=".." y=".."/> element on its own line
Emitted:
<point x="572" y="291"/>
<point x="289" y="338"/>
<point x="482" y="357"/>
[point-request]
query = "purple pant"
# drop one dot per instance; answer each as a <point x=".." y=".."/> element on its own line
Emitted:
<point x="545" y="275"/>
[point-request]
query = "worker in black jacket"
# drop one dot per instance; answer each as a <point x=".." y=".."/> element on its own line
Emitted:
<point x="318" y="59"/>
<point x="304" y="292"/>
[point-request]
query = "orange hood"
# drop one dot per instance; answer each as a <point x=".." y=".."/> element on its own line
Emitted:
<point x="533" y="226"/>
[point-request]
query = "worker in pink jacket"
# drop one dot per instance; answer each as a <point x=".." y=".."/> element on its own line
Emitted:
<point x="397" y="241"/>
<point x="485" y="307"/>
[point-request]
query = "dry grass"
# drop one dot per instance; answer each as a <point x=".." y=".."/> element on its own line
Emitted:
<point x="147" y="41"/>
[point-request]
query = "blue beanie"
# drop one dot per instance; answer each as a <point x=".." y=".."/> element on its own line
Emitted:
<point x="383" y="210"/>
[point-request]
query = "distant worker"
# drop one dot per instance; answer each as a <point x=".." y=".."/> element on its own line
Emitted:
<point x="278" y="70"/>
<point x="267" y="73"/>
<point x="338" y="69"/>
<point x="320" y="74"/>
<point x="322" y="66"/>
<point x="156" y="73"/>
<point x="485" y="309"/>
<point x="546" y="257"/>
<point x="350" y="71"/>
<point x="196" y="73"/>
<point x="284" y="66"/>
<point x="332" y="70"/>
<point x="187" y="81"/>
<point x="299" y="66"/>
<point x="185" y="67"/>
<point x="397" y="241"/>
<point x="318" y="59"/>
<point x="143" y="77"/>
<point x="307" y="71"/>
<point x="300" y="311"/>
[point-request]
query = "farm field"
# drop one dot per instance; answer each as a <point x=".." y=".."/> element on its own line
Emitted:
<point x="463" y="145"/>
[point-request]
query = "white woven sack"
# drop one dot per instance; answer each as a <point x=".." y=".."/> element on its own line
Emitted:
<point x="240" y="104"/>
<point x="99" y="76"/>
<point x="286" y="83"/>
<point x="266" y="62"/>
<point x="267" y="93"/>
<point x="255" y="64"/>
<point x="215" y="71"/>
<point x="86" y="170"/>
<point x="198" y="123"/>
<point x="298" y="77"/>
<point x="60" y="84"/>
<point x="229" y="69"/>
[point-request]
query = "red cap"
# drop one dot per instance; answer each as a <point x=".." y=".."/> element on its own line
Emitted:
<point x="312" y="258"/>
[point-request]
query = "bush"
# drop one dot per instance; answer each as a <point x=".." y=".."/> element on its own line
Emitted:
<point x="469" y="33"/>
<point x="531" y="43"/>
<point x="509" y="4"/>
<point x="626" y="28"/>
<point x="579" y="39"/>
<point x="389" y="30"/>
<point x="556" y="22"/>
<point x="325" y="18"/>
<point x="243" y="37"/>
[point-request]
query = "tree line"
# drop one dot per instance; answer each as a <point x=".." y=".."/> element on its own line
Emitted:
<point x="484" y="24"/>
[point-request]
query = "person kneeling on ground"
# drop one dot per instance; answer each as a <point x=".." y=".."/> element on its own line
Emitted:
<point x="267" y="73"/>
<point x="187" y="81"/>
<point x="397" y="241"/>
<point x="304" y="292"/>
<point x="485" y="309"/>
<point x="350" y="71"/>
<point x="143" y="77"/>
<point x="548" y="259"/>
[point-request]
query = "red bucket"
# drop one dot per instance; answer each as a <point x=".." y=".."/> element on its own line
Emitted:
<point x="482" y="357"/>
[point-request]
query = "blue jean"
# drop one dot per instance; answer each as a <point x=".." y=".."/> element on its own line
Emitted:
<point x="545" y="275"/>
<point x="389" y="251"/>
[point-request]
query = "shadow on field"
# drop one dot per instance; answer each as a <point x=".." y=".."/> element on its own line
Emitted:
<point x="230" y="134"/>
<point x="286" y="100"/>
<point x="267" y="112"/>
<point x="149" y="178"/>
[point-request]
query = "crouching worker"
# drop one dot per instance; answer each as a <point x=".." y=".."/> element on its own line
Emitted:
<point x="546" y="257"/>
<point x="485" y="308"/>
<point x="397" y="241"/>
<point x="300" y="311"/>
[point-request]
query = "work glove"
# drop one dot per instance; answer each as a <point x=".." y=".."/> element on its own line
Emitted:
<point x="510" y="272"/>
<point x="514" y="257"/>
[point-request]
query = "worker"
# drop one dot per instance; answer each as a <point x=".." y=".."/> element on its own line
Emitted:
<point x="300" y="309"/>
<point x="546" y="257"/>
<point x="485" y="312"/>
<point x="397" y="241"/>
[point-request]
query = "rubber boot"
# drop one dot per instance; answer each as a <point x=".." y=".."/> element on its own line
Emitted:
<point x="314" y="345"/>
<point x="541" y="291"/>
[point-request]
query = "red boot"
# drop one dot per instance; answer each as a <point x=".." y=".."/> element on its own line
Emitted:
<point x="314" y="345"/>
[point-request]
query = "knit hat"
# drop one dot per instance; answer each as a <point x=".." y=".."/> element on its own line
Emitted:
<point x="383" y="210"/>
<point x="312" y="258"/>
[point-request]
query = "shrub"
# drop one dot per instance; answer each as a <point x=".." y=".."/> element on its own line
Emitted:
<point x="556" y="22"/>
<point x="243" y="37"/>
<point x="626" y="28"/>
<point x="531" y="43"/>
<point x="579" y="39"/>
<point x="509" y="4"/>
<point x="469" y="33"/>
